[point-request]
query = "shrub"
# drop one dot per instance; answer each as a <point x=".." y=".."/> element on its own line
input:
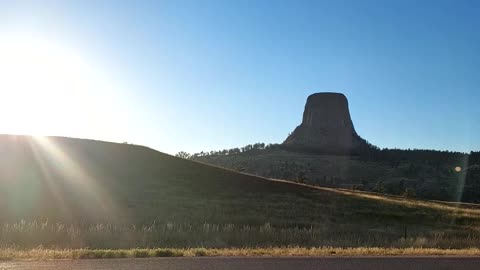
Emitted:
<point x="199" y="252"/>
<point x="140" y="253"/>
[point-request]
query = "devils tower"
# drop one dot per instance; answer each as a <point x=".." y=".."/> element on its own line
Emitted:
<point x="326" y="126"/>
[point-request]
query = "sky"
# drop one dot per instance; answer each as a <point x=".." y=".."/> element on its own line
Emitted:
<point x="210" y="75"/>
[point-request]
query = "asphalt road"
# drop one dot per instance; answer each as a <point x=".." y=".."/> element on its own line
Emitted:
<point x="249" y="263"/>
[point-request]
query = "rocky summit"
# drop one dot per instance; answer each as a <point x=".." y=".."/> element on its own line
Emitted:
<point x="326" y="126"/>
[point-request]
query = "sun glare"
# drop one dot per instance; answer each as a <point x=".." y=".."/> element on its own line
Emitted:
<point x="47" y="89"/>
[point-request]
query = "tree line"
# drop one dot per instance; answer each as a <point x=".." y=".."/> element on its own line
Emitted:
<point x="247" y="149"/>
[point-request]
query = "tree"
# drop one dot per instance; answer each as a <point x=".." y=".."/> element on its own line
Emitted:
<point x="401" y="187"/>
<point x="379" y="187"/>
<point x="183" y="154"/>
<point x="301" y="177"/>
<point x="234" y="151"/>
<point x="409" y="193"/>
<point x="365" y="184"/>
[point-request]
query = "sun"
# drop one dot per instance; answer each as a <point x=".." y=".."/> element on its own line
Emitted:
<point x="48" y="89"/>
<point x="40" y="85"/>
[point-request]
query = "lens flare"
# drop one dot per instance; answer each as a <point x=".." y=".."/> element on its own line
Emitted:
<point x="47" y="88"/>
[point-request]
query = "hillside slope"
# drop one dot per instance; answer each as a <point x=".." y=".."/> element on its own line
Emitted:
<point x="428" y="174"/>
<point x="84" y="181"/>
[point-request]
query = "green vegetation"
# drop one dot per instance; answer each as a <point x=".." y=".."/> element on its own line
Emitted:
<point x="80" y="194"/>
<point x="46" y="254"/>
<point x="425" y="174"/>
<point x="25" y="235"/>
<point x="322" y="217"/>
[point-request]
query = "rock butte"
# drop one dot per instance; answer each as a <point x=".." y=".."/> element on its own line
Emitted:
<point x="326" y="126"/>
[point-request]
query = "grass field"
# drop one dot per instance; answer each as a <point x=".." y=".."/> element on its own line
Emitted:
<point x="61" y="193"/>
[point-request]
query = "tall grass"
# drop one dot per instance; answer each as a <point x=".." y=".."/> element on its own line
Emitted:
<point x="27" y="235"/>
<point x="43" y="254"/>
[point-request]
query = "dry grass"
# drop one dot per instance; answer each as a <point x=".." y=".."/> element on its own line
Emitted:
<point x="458" y="209"/>
<point x="48" y="254"/>
<point x="57" y="236"/>
<point x="452" y="208"/>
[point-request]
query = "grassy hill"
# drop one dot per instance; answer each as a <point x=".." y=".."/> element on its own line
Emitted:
<point x="66" y="192"/>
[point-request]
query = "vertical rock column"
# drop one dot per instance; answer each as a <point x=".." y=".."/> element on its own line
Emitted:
<point x="326" y="126"/>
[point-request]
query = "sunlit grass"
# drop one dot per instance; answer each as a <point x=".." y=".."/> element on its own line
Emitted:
<point x="451" y="208"/>
<point x="458" y="209"/>
<point x="57" y="236"/>
<point x="46" y="254"/>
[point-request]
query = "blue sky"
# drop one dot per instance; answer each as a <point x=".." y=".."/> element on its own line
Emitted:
<point x="204" y="75"/>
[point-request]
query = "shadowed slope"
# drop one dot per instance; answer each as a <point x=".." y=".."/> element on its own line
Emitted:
<point x="76" y="179"/>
